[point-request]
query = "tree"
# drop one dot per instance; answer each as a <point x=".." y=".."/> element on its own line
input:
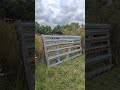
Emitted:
<point x="57" y="30"/>
<point x="17" y="9"/>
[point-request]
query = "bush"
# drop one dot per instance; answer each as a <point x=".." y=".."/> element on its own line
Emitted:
<point x="38" y="46"/>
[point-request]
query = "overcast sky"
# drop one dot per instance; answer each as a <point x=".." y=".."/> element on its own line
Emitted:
<point x="59" y="12"/>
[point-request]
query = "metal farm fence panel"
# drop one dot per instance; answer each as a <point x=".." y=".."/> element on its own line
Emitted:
<point x="98" y="48"/>
<point x="60" y="48"/>
<point x="26" y="37"/>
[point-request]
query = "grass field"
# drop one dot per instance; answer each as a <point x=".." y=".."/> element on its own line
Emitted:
<point x="109" y="80"/>
<point x="66" y="76"/>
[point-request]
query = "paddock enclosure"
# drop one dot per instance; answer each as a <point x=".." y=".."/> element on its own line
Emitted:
<point x="60" y="48"/>
<point x="98" y="49"/>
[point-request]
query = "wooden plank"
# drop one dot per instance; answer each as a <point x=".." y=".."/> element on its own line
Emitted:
<point x="64" y="54"/>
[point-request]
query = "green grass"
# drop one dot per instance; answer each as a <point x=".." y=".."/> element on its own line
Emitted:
<point x="66" y="76"/>
<point x="109" y="80"/>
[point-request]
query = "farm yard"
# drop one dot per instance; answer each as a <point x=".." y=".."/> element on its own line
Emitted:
<point x="69" y="75"/>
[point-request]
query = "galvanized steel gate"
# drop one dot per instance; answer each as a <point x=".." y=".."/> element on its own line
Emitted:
<point x="98" y="49"/>
<point x="59" y="48"/>
<point x="26" y="37"/>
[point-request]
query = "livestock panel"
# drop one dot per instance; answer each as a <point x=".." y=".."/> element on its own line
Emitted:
<point x="26" y="38"/>
<point x="60" y="48"/>
<point x="98" y="49"/>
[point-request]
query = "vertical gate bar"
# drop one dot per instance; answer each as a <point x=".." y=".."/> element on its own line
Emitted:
<point x="45" y="48"/>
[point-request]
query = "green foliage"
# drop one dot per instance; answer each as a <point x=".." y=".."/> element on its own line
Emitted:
<point x="14" y="78"/>
<point x="17" y="9"/>
<point x="42" y="29"/>
<point x="101" y="12"/>
<point x="57" y="30"/>
<point x="68" y="29"/>
<point x="9" y="51"/>
<point x="73" y="29"/>
<point x="38" y="46"/>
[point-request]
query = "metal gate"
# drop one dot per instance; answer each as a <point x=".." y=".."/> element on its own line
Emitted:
<point x="26" y="37"/>
<point x="98" y="49"/>
<point x="60" y="48"/>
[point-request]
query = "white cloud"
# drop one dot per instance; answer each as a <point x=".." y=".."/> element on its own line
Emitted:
<point x="54" y="12"/>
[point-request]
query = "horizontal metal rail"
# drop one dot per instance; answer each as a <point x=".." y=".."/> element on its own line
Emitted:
<point x="64" y="54"/>
<point x="63" y="48"/>
<point x="48" y="45"/>
<point x="57" y="43"/>
<point x="97" y="47"/>
<point x="57" y="40"/>
<point x="65" y="60"/>
<point x="97" y="38"/>
<point x="60" y="36"/>
<point x="98" y="59"/>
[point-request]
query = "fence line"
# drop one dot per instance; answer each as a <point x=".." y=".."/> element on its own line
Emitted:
<point x="60" y="48"/>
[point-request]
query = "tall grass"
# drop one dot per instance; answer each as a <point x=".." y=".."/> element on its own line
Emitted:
<point x="9" y="50"/>
<point x="38" y="46"/>
<point x="66" y="76"/>
<point x="10" y="58"/>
